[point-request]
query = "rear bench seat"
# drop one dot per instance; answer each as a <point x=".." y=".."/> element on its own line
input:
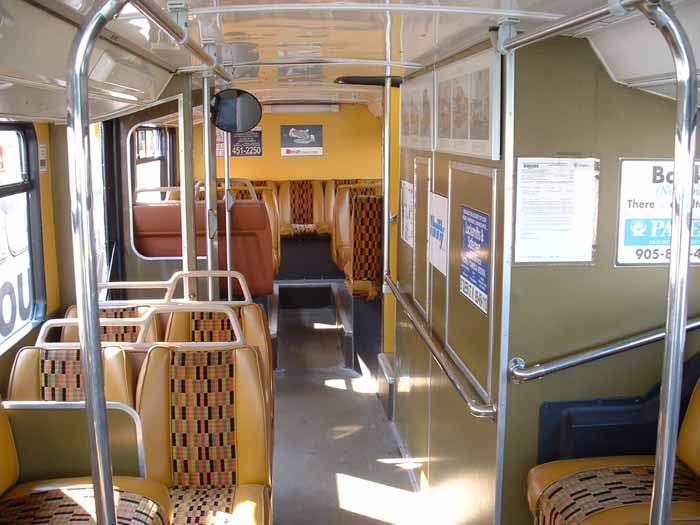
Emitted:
<point x="178" y="432"/>
<point x="617" y="490"/>
<point x="301" y="208"/>
<point x="60" y="501"/>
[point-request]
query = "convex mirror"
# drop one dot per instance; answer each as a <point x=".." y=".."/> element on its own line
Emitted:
<point x="235" y="110"/>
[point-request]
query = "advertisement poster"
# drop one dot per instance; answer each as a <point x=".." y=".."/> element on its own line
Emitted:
<point x="407" y="210"/>
<point x="468" y="106"/>
<point x="438" y="232"/>
<point x="556" y="210"/>
<point x="301" y="140"/>
<point x="644" y="222"/>
<point x="417" y="113"/>
<point x="247" y="144"/>
<point x="474" y="272"/>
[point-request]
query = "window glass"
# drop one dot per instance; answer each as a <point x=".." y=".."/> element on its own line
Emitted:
<point x="151" y="163"/>
<point x="16" y="293"/>
<point x="99" y="208"/>
<point x="12" y="169"/>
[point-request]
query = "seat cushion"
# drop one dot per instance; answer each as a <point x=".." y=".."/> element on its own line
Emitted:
<point x="604" y="490"/>
<point x="241" y="505"/>
<point x="139" y="501"/>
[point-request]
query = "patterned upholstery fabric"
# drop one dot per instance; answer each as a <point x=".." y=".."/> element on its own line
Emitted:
<point x="573" y="499"/>
<point x="203" y="433"/>
<point x="77" y="505"/>
<point x="121" y="334"/>
<point x="302" y="201"/>
<point x="303" y="229"/>
<point x="202" y="505"/>
<point x="367" y="238"/>
<point x="211" y="327"/>
<point x="60" y="375"/>
<point x="344" y="182"/>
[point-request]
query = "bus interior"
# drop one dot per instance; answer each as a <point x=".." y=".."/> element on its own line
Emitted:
<point x="312" y="262"/>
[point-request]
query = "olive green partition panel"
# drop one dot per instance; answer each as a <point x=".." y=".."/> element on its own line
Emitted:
<point x="51" y="439"/>
<point x="566" y="105"/>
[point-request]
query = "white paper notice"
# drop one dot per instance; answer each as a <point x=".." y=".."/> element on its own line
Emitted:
<point x="438" y="232"/>
<point x="407" y="213"/>
<point x="43" y="159"/>
<point x="556" y="209"/>
<point x="644" y="224"/>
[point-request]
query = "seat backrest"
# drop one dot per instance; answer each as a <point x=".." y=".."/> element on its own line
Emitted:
<point x="40" y="374"/>
<point x="341" y="242"/>
<point x="188" y="398"/>
<point x="157" y="233"/>
<point x="186" y="327"/>
<point x="300" y="206"/>
<point x="689" y="436"/>
<point x="9" y="463"/>
<point x="366" y="263"/>
<point x="329" y="198"/>
<point x="268" y="194"/>
<point x="115" y="334"/>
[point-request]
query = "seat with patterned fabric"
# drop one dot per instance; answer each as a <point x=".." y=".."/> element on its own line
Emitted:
<point x="41" y="374"/>
<point x="329" y="192"/>
<point x="70" y="500"/>
<point x="301" y="207"/>
<point x="341" y="238"/>
<point x="363" y="272"/>
<point x="115" y="334"/>
<point x="185" y="327"/>
<point x="617" y="490"/>
<point x="206" y="432"/>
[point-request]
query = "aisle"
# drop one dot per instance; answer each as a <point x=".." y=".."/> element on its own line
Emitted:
<point x="336" y="461"/>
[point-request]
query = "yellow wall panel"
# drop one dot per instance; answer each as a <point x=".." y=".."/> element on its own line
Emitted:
<point x="352" y="140"/>
<point x="53" y="298"/>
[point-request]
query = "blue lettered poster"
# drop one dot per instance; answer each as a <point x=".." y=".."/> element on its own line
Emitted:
<point x="474" y="272"/>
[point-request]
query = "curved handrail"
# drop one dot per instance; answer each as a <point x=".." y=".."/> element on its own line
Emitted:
<point x="478" y="407"/>
<point x="144" y="323"/>
<point x="520" y="372"/>
<point x="170" y="287"/>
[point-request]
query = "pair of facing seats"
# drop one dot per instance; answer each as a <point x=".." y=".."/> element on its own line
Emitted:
<point x="617" y="490"/>
<point x="205" y="419"/>
<point x="357" y="237"/>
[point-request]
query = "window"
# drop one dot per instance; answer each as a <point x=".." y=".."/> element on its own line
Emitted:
<point x="22" y="288"/>
<point x="151" y="146"/>
<point x="99" y="204"/>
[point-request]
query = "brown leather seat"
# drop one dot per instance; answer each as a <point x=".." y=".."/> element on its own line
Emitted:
<point x="341" y="238"/>
<point x="582" y="486"/>
<point x="232" y="426"/>
<point x="267" y="193"/>
<point x="301" y="207"/>
<point x="138" y="500"/>
<point x="157" y="233"/>
<point x="40" y="374"/>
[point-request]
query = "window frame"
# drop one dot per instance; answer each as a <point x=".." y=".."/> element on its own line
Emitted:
<point x="30" y="186"/>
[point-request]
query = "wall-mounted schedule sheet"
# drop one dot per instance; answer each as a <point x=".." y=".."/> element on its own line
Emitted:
<point x="556" y="210"/>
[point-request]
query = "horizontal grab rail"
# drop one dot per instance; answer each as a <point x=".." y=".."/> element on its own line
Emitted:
<point x="477" y="406"/>
<point x="520" y="372"/>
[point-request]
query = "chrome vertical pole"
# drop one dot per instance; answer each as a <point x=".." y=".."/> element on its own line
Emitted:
<point x="210" y="188"/>
<point x="78" y="129"/>
<point x="187" y="197"/>
<point x="228" y="200"/>
<point x="386" y="154"/>
<point x="661" y="15"/>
